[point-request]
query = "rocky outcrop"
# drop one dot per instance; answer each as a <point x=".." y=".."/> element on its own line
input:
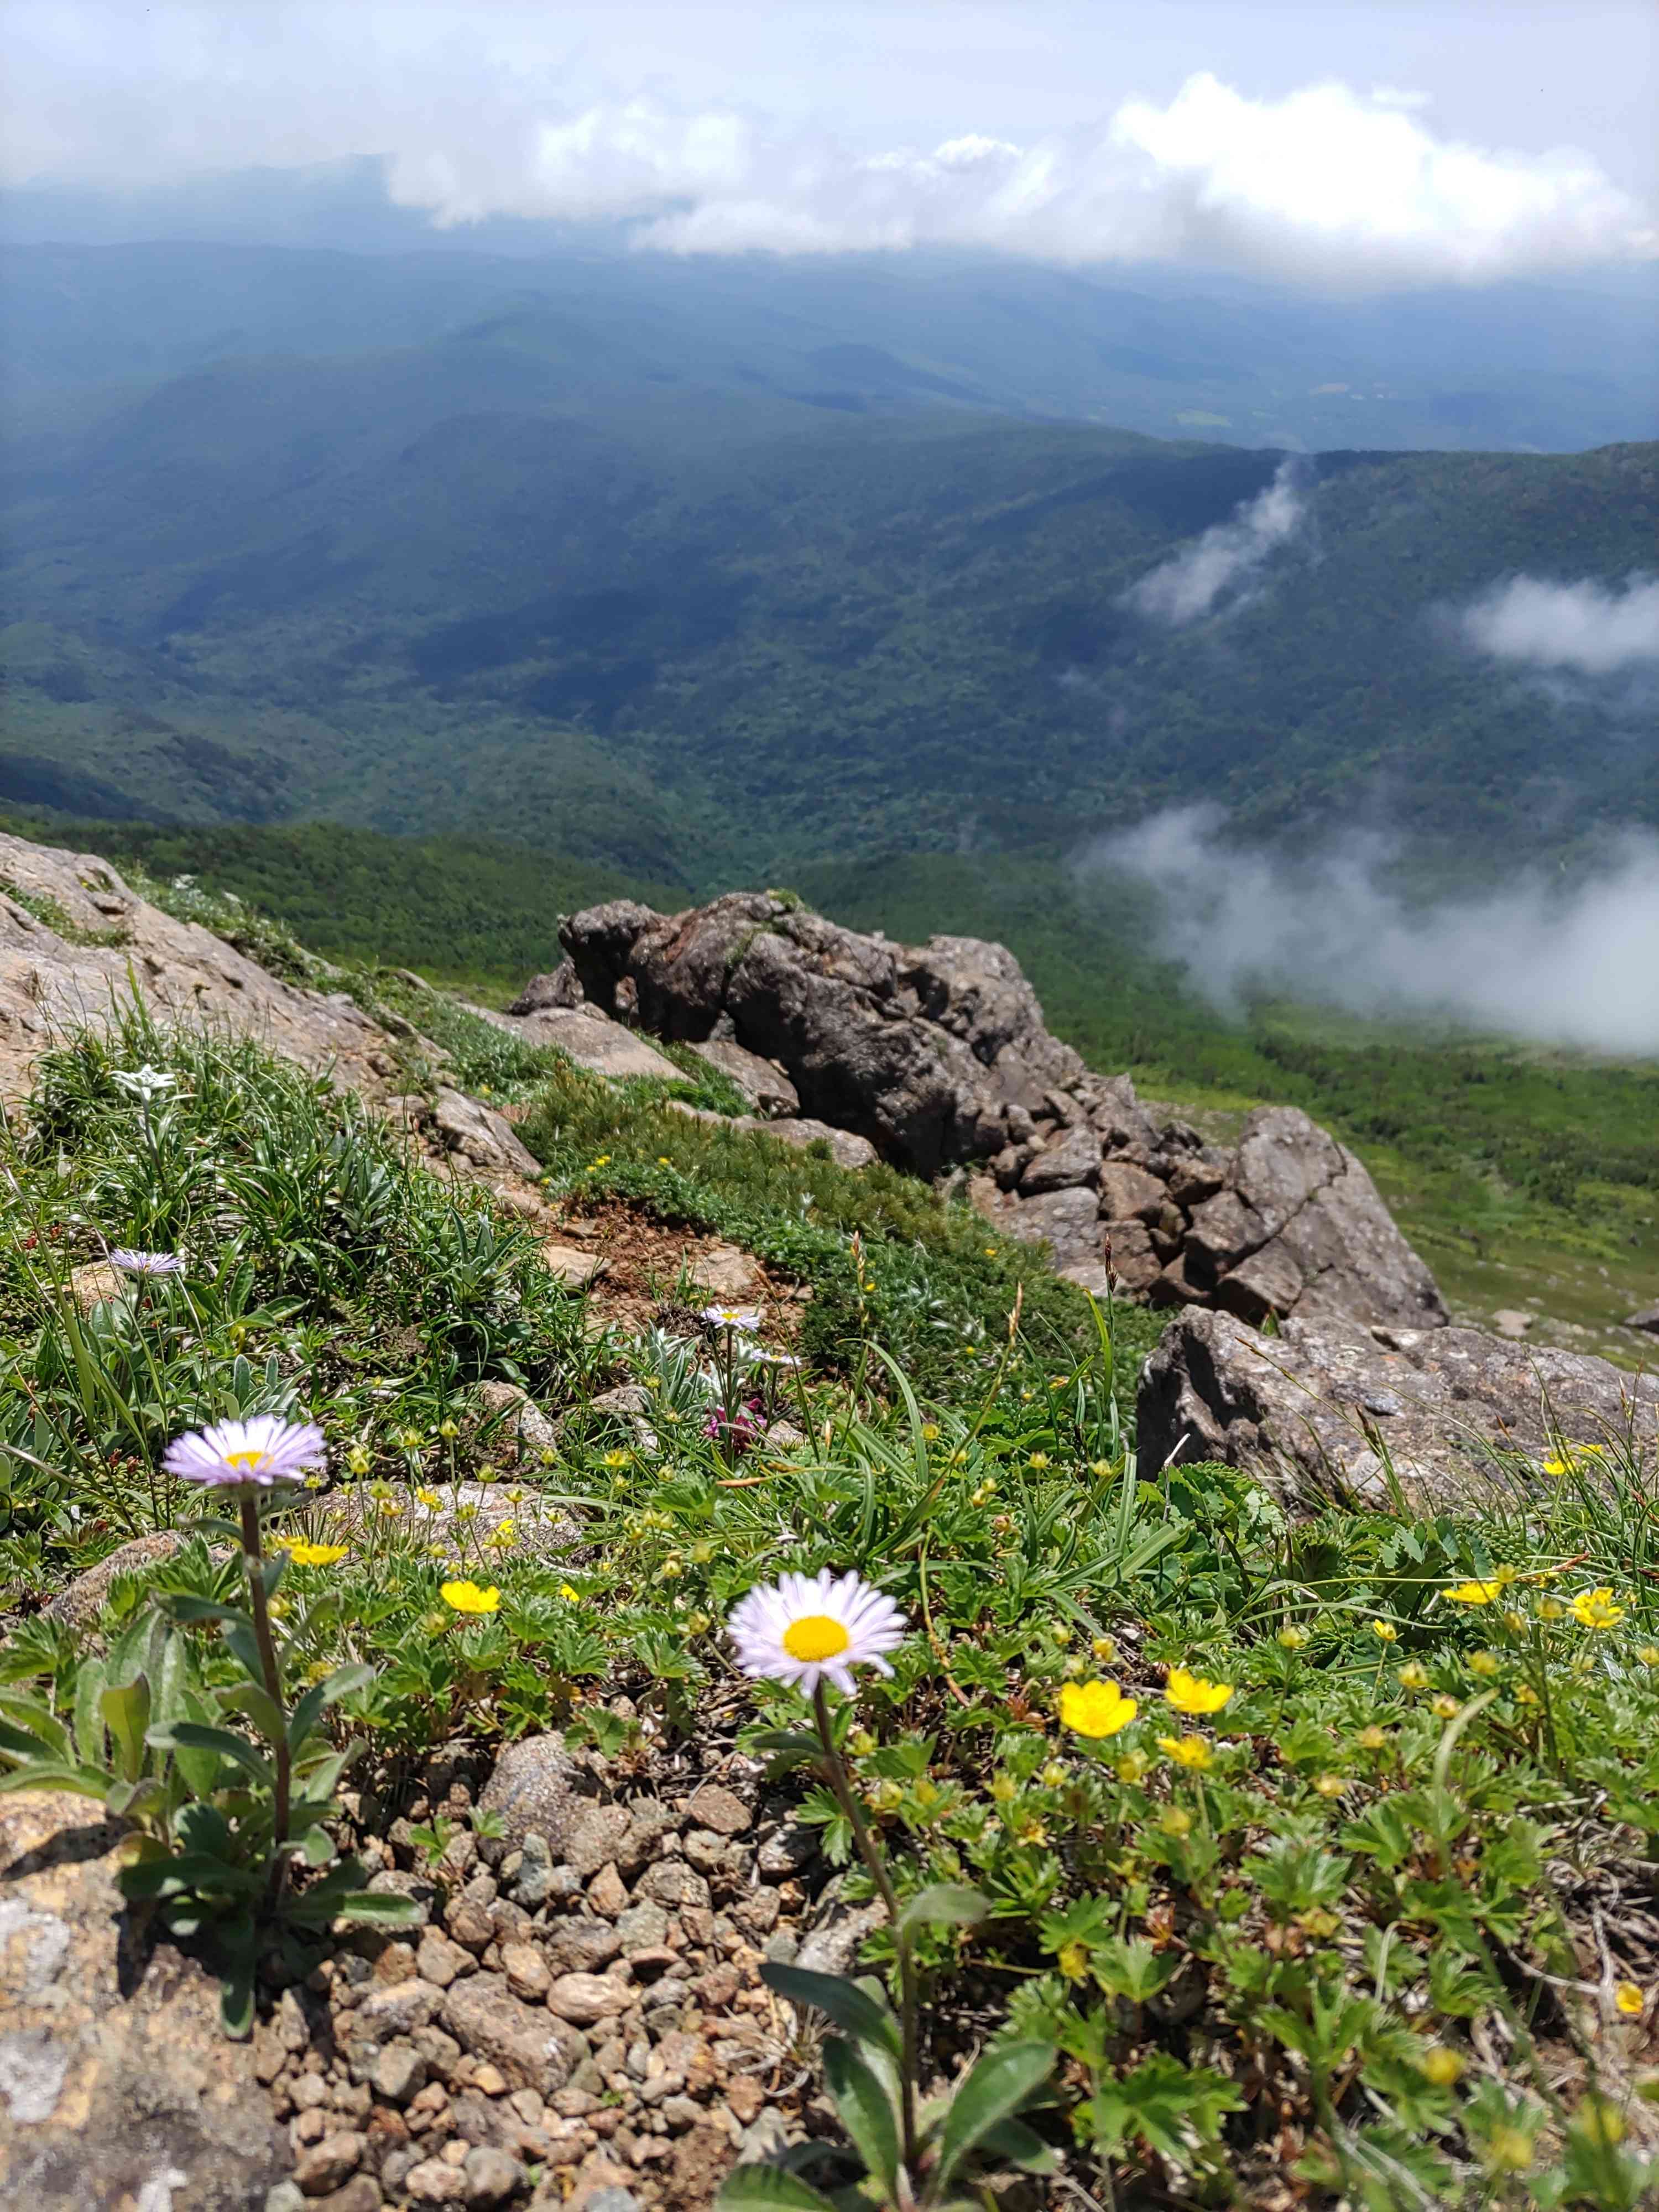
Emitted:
<point x="939" y="1057"/>
<point x="1328" y="1407"/>
<point x="117" y="2086"/>
<point x="100" y="944"/>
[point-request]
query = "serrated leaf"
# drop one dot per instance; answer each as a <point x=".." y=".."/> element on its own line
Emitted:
<point x="943" y="1904"/>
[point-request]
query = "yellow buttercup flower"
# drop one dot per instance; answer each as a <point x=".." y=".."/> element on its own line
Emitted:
<point x="1372" y="1738"/>
<point x="1629" y="2000"/>
<point x="617" y="1459"/>
<point x="1187" y="1751"/>
<point x="569" y="1592"/>
<point x="1443" y="1707"/>
<point x="1038" y="1460"/>
<point x="1483" y="1662"/>
<point x="468" y="1597"/>
<point x="1648" y="1654"/>
<point x="1595" y="1609"/>
<point x="1096" y="1710"/>
<point x="315" y="1555"/>
<point x="1442" y="2066"/>
<point x="429" y="1498"/>
<point x="1413" y="1675"/>
<point x="1133" y="1766"/>
<point x="1292" y="1638"/>
<point x="1073" y="1961"/>
<point x="1176" y="1820"/>
<point x="1473" y="1593"/>
<point x="359" y="1460"/>
<point x="1191" y="1693"/>
<point x="1385" y="1632"/>
<point x="1331" y="1785"/>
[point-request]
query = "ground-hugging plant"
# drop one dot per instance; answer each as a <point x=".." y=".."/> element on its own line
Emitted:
<point x="809" y="1634"/>
<point x="222" y="1822"/>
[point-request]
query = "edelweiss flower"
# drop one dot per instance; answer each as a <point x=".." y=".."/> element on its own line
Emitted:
<point x="811" y="1628"/>
<point x="131" y="1262"/>
<point x="145" y="1083"/>
<point x="258" y="1452"/>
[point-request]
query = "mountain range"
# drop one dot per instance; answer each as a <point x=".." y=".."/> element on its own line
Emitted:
<point x="700" y="571"/>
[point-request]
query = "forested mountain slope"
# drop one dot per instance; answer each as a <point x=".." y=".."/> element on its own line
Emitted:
<point x="466" y="584"/>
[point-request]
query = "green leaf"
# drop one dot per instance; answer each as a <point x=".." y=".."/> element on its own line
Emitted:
<point x="194" y="1737"/>
<point x="853" y="2009"/>
<point x="81" y="1781"/>
<point x="769" y="2189"/>
<point x="315" y="1847"/>
<point x="784" y="1748"/>
<point x="90" y="1682"/>
<point x="366" y="1906"/>
<point x="866" y="2109"/>
<point x="126" y="1715"/>
<point x="261" y="1708"/>
<point x="997" y="2084"/>
<point x="36" y="1719"/>
<point x="943" y="1904"/>
<point x="1012" y="2143"/>
<point x="340" y="1684"/>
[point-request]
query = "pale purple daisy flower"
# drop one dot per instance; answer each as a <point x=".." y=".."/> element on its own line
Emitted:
<point x="259" y="1452"/>
<point x="808" y="1628"/>
<point x="131" y="1262"/>
<point x="745" y="1320"/>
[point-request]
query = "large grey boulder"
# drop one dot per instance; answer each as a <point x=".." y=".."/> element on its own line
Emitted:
<point x="117" y="2086"/>
<point x="939" y="1057"/>
<point x="1328" y="1407"/>
<point x="76" y="941"/>
<point x="922" y="1052"/>
<point x="1299" y="1227"/>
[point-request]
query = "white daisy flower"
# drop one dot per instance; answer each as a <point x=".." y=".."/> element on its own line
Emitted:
<point x="745" y="1319"/>
<point x="131" y="1262"/>
<point x="808" y="1628"/>
<point x="258" y="1452"/>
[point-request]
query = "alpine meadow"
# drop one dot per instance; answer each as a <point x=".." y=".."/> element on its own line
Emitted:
<point x="829" y="1070"/>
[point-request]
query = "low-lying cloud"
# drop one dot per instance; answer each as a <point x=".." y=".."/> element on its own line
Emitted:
<point x="518" y="112"/>
<point x="1185" y="587"/>
<point x="1589" y="629"/>
<point x="1561" y="962"/>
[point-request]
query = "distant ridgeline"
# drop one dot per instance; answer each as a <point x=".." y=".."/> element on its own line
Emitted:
<point x="695" y="630"/>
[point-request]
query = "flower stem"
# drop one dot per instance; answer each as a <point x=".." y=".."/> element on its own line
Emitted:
<point x="262" y="1637"/>
<point x="840" y="1782"/>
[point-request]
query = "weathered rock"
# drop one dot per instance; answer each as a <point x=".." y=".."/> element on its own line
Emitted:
<point x="528" y="2047"/>
<point x="80" y="1602"/>
<point x="533" y="1787"/>
<point x="1135" y="1264"/>
<point x="583" y="1998"/>
<point x="767" y="1088"/>
<point x="1072" y="1160"/>
<point x="521" y="1418"/>
<point x="1313" y="1199"/>
<point x="919" y="1051"/>
<point x="846" y="1149"/>
<point x="724" y="1270"/>
<point x="116" y="2083"/>
<point x="1328" y="1407"/>
<point x="1129" y="1192"/>
<point x="184" y="973"/>
<point x="713" y="1805"/>
<point x="592" y="1039"/>
<point x="575" y="1269"/>
<point x="561" y="987"/>
<point x="480" y="1135"/>
<point x="1065" y="1220"/>
<point x="1646" y="1320"/>
<point x="1512" y="1322"/>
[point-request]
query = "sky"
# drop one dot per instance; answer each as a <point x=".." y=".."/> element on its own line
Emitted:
<point x="1345" y="147"/>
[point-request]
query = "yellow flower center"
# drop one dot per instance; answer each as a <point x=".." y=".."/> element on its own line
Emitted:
<point x="815" y="1638"/>
<point x="249" y="1462"/>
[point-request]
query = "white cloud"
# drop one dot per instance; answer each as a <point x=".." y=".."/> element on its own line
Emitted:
<point x="1575" y="964"/>
<point x="1586" y="627"/>
<point x="1187" y="585"/>
<point x="518" y="111"/>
